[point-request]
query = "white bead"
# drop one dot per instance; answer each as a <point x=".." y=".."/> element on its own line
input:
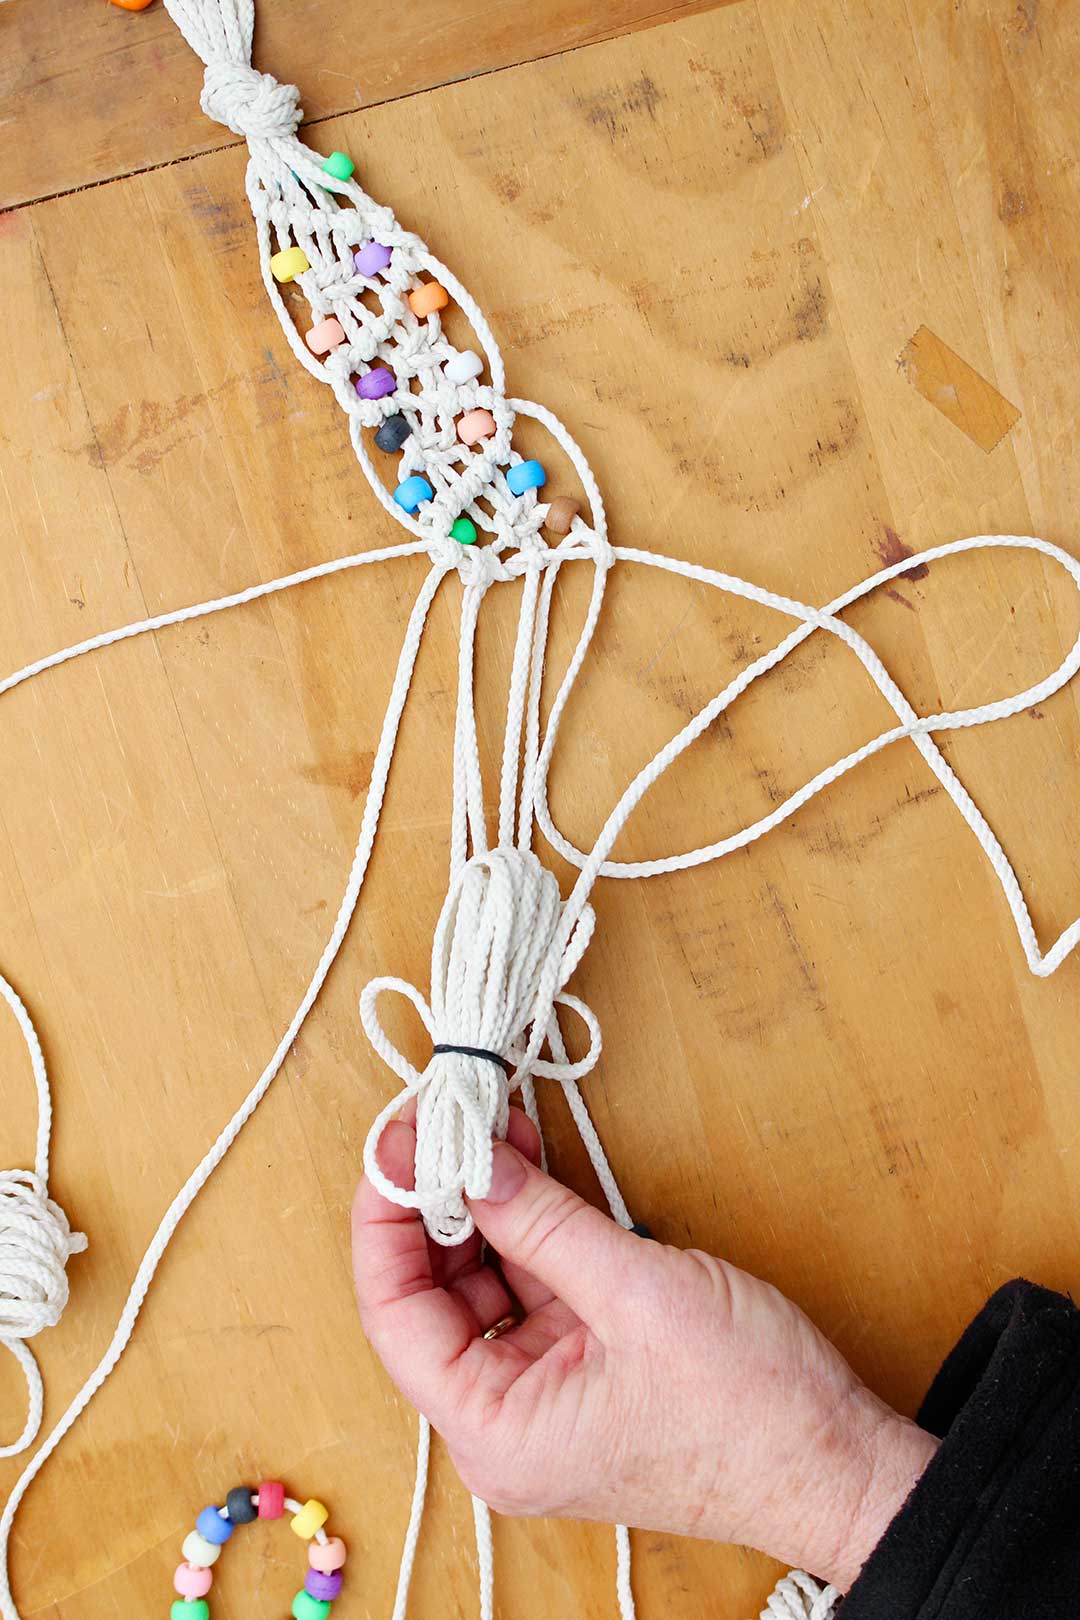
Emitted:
<point x="463" y="367"/>
<point x="199" y="1551"/>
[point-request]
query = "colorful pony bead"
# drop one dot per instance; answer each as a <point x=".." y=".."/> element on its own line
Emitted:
<point x="413" y="492"/>
<point x="474" y="426"/>
<point x="305" y="1607"/>
<point x="197" y="1550"/>
<point x="213" y="1527"/>
<point x="463" y="367"/>
<point x="376" y="384"/>
<point x="288" y="264"/>
<point x="323" y="1580"/>
<point x="311" y="1517"/>
<point x="393" y="433"/>
<point x="427" y="298"/>
<point x="561" y="514"/>
<point x="325" y="1587"/>
<point x="271" y="1499"/>
<point x="327" y="1556"/>
<point x="371" y="258"/>
<point x="340" y="165"/>
<point x="526" y="475"/>
<point x="324" y="336"/>
<point x="193" y="1581"/>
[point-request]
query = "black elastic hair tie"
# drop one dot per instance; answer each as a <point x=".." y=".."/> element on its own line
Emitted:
<point x="476" y="1051"/>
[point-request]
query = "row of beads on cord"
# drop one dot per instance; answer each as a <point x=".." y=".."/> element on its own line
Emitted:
<point x="202" y="1548"/>
<point x="379" y="382"/>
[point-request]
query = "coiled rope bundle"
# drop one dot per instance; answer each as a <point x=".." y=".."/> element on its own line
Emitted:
<point x="506" y="944"/>
<point x="498" y="966"/>
<point x="36" y="1242"/>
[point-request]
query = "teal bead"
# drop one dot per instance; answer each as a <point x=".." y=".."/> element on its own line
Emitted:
<point x="194" y="1609"/>
<point x="340" y="165"/>
<point x="463" y="530"/>
<point x="413" y="492"/>
<point x="526" y="475"/>
<point x="305" y="1607"/>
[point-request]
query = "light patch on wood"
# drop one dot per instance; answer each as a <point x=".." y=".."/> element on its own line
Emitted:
<point x="957" y="390"/>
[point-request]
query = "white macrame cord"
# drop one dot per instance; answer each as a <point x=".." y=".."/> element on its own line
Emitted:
<point x="506" y="943"/>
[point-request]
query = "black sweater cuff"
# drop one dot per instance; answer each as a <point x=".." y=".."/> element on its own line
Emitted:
<point x="991" y="1530"/>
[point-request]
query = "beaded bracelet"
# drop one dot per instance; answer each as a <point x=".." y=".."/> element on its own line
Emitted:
<point x="326" y="1554"/>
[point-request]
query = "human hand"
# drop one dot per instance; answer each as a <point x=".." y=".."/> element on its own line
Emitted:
<point x="645" y="1385"/>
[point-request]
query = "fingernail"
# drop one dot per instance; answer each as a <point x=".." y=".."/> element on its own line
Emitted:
<point x="507" y="1174"/>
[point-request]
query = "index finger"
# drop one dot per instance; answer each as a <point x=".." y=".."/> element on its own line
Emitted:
<point x="418" y="1331"/>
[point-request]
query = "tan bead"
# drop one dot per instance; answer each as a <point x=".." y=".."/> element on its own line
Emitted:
<point x="560" y="514"/>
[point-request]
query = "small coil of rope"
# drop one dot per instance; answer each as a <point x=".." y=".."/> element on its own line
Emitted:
<point x="36" y="1242"/>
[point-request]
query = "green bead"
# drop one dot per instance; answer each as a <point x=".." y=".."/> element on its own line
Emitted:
<point x="190" y="1609"/>
<point x="340" y="165"/>
<point x="305" y="1607"/>
<point x="463" y="531"/>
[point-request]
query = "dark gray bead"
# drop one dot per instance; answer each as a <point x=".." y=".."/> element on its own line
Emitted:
<point x="239" y="1506"/>
<point x="393" y="433"/>
<point x="639" y="1229"/>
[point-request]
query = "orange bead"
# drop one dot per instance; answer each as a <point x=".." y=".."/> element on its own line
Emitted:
<point x="474" y="426"/>
<point x="427" y="298"/>
<point x="131" y="5"/>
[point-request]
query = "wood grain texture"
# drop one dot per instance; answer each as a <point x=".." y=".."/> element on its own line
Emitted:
<point x="824" y="1057"/>
<point x="97" y="92"/>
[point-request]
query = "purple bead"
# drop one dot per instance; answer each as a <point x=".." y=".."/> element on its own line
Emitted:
<point x="376" y="384"/>
<point x="324" y="1587"/>
<point x="372" y="258"/>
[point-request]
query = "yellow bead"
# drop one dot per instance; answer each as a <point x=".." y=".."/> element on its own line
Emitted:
<point x="311" y="1517"/>
<point x="288" y="264"/>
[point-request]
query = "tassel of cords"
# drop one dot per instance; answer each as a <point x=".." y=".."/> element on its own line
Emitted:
<point x="496" y="949"/>
<point x="36" y="1243"/>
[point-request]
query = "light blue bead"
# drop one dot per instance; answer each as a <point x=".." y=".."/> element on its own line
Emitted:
<point x="212" y="1527"/>
<point x="526" y="475"/>
<point x="413" y="491"/>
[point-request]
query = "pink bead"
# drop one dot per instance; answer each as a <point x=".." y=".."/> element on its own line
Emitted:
<point x="325" y="336"/>
<point x="327" y="1557"/>
<point x="271" y="1499"/>
<point x="475" y="425"/>
<point x="191" y="1581"/>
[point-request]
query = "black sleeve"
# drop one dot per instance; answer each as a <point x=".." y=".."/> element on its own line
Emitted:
<point x="992" y="1530"/>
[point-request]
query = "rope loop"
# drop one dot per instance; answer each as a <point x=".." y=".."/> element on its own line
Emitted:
<point x="250" y="103"/>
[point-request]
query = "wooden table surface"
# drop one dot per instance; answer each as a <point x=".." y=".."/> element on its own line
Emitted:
<point x="805" y="282"/>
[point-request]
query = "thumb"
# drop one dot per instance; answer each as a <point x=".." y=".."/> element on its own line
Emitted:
<point x="538" y="1224"/>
